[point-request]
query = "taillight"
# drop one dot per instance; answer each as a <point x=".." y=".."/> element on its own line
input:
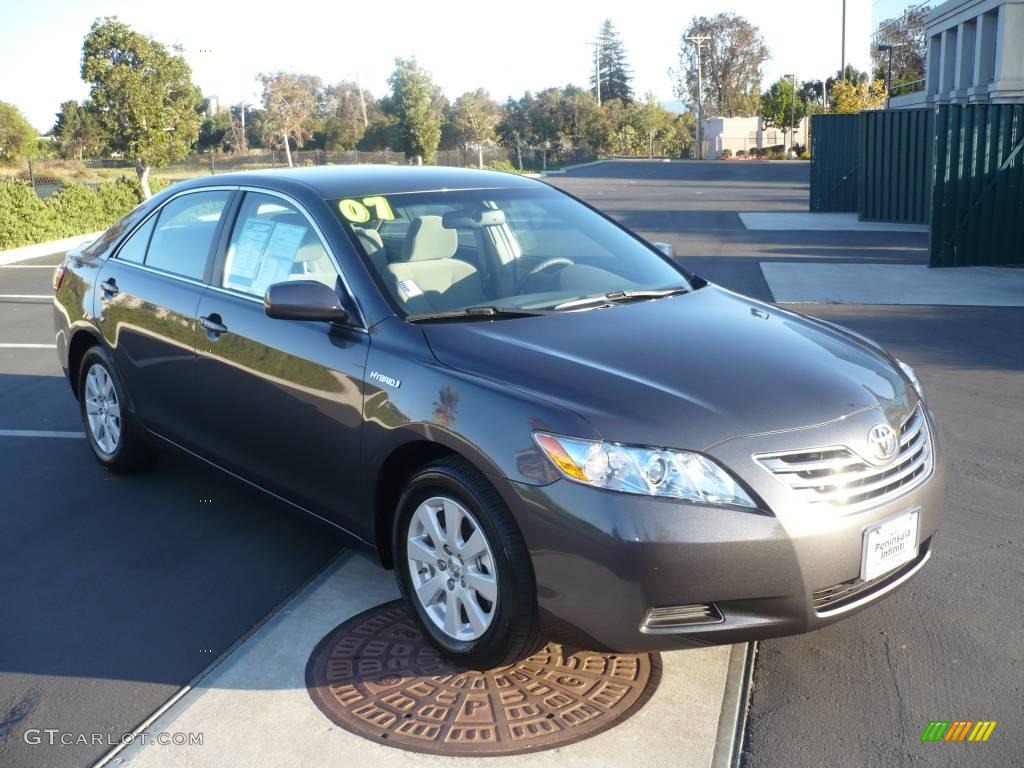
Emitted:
<point x="58" y="277"/>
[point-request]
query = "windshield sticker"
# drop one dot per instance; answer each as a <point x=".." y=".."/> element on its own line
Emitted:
<point x="359" y="212"/>
<point x="409" y="289"/>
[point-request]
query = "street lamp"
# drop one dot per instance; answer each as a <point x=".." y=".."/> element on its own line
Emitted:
<point x="887" y="48"/>
<point x="698" y="41"/>
<point x="597" y="68"/>
<point x="792" y="113"/>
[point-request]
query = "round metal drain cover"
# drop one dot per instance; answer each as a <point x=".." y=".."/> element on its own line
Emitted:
<point x="377" y="676"/>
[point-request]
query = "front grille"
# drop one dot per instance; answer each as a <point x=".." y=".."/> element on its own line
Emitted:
<point x="837" y="478"/>
<point x="846" y="592"/>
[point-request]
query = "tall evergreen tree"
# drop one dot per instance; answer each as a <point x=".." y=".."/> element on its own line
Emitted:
<point x="615" y="72"/>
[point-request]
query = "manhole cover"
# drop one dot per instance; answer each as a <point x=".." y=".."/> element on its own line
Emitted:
<point x="375" y="675"/>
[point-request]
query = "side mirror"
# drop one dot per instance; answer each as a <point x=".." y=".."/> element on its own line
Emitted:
<point x="303" y="300"/>
<point x="666" y="248"/>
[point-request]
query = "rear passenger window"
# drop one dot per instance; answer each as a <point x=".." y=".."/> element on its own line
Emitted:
<point x="273" y="242"/>
<point x="184" y="233"/>
<point x="134" y="248"/>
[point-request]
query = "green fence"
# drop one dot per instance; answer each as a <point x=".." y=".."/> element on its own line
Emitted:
<point x="978" y="196"/>
<point x="835" y="151"/>
<point x="895" y="165"/>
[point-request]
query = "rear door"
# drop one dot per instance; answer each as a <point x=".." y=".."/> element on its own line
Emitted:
<point x="147" y="298"/>
<point x="281" y="399"/>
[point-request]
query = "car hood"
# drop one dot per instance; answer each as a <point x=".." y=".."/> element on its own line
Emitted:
<point x="688" y="371"/>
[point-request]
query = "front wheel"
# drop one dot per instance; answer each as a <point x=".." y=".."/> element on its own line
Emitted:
<point x="462" y="564"/>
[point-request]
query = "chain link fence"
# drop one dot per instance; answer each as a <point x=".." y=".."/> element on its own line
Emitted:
<point x="47" y="176"/>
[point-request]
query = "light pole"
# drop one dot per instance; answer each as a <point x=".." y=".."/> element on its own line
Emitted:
<point x="597" y="69"/>
<point x="888" y="80"/>
<point x="792" y="113"/>
<point x="698" y="41"/>
<point x="842" y="66"/>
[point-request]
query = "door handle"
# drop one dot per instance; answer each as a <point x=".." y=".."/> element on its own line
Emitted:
<point x="110" y="288"/>
<point x="213" y="325"/>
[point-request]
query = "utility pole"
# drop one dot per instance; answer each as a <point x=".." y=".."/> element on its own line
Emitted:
<point x="886" y="47"/>
<point x="698" y="41"/>
<point x="245" y="143"/>
<point x="362" y="99"/>
<point x="597" y="68"/>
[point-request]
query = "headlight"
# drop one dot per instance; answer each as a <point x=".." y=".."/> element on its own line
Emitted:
<point x="913" y="378"/>
<point x="642" y="470"/>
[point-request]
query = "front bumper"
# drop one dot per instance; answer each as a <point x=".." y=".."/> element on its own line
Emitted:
<point x="603" y="559"/>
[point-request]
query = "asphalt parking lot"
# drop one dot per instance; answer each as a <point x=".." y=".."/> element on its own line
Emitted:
<point x="117" y="591"/>
<point x="947" y="646"/>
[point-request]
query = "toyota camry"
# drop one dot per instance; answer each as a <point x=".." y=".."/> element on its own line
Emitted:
<point x="544" y="424"/>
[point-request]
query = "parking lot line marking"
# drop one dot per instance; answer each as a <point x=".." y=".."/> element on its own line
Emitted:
<point x="12" y="345"/>
<point x="40" y="433"/>
<point x="29" y="266"/>
<point x="25" y="296"/>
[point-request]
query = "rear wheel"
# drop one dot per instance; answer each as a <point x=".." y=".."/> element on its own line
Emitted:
<point x="110" y="428"/>
<point x="462" y="564"/>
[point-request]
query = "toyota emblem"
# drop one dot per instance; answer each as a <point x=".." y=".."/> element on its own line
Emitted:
<point x="883" y="442"/>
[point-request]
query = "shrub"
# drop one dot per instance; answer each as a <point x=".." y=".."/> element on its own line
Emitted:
<point x="503" y="165"/>
<point x="741" y="153"/>
<point x="777" y="155"/>
<point x="74" y="209"/>
<point x="805" y="155"/>
<point x="725" y="154"/>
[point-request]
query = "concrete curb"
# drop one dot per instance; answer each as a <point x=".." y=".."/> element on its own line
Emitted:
<point x="732" y="723"/>
<point x="53" y="247"/>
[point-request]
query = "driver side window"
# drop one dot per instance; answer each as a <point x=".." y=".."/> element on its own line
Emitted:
<point x="273" y="242"/>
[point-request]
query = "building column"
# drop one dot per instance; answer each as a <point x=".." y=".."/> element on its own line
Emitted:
<point x="1008" y="77"/>
<point x="984" y="56"/>
<point x="947" y="66"/>
<point x="965" y="55"/>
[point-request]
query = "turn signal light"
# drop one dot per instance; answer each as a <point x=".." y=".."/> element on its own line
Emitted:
<point x="58" y="277"/>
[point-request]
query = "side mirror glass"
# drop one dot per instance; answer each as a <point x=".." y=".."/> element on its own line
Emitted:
<point x="303" y="300"/>
<point x="666" y="248"/>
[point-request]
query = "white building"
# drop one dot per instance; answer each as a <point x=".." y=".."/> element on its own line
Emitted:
<point x="746" y="133"/>
<point x="975" y="54"/>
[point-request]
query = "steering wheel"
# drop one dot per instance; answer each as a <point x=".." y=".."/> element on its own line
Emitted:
<point x="546" y="264"/>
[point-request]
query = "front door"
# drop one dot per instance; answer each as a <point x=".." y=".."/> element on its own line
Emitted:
<point x="281" y="399"/>
<point x="147" y="298"/>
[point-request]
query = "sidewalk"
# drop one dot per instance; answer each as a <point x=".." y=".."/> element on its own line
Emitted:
<point x="26" y="252"/>
<point x="254" y="710"/>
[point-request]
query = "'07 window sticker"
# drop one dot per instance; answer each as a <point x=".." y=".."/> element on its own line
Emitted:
<point x="359" y="211"/>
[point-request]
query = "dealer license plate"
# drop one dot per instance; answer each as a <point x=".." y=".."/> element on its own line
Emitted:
<point x="889" y="545"/>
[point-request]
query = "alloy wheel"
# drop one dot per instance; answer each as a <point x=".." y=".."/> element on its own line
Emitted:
<point x="452" y="568"/>
<point x="102" y="409"/>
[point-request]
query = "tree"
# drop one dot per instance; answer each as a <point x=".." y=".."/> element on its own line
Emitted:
<point x="514" y="128"/>
<point x="143" y="95"/>
<point x="653" y="121"/>
<point x="615" y="71"/>
<point x="732" y="62"/>
<point x="474" y="116"/>
<point x="849" y="96"/>
<point x="215" y="131"/>
<point x="416" y="104"/>
<point x="17" y="136"/>
<point x="782" y="107"/>
<point x="348" y="111"/>
<point x="77" y="131"/>
<point x="289" y="103"/>
<point x="909" y="42"/>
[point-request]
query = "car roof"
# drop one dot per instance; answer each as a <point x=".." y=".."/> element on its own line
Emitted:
<point x="328" y="181"/>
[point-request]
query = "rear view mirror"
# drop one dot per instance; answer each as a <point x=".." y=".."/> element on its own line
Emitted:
<point x="666" y="248"/>
<point x="303" y="300"/>
<point x="473" y="218"/>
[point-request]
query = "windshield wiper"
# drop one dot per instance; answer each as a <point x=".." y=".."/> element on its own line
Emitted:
<point x="475" y="313"/>
<point x="621" y="297"/>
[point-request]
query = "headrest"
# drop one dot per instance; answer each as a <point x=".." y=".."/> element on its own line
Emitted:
<point x="370" y="239"/>
<point x="427" y="240"/>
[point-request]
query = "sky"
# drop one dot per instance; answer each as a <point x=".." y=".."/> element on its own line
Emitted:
<point x="506" y="48"/>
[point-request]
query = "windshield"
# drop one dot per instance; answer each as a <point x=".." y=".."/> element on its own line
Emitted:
<point x="506" y="249"/>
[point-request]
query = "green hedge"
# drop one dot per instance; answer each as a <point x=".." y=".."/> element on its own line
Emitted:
<point x="73" y="210"/>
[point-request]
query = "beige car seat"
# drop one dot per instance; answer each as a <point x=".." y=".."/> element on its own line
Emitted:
<point x="428" y="278"/>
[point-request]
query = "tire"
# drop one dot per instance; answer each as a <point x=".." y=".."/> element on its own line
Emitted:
<point x="110" y="427"/>
<point x="497" y="632"/>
